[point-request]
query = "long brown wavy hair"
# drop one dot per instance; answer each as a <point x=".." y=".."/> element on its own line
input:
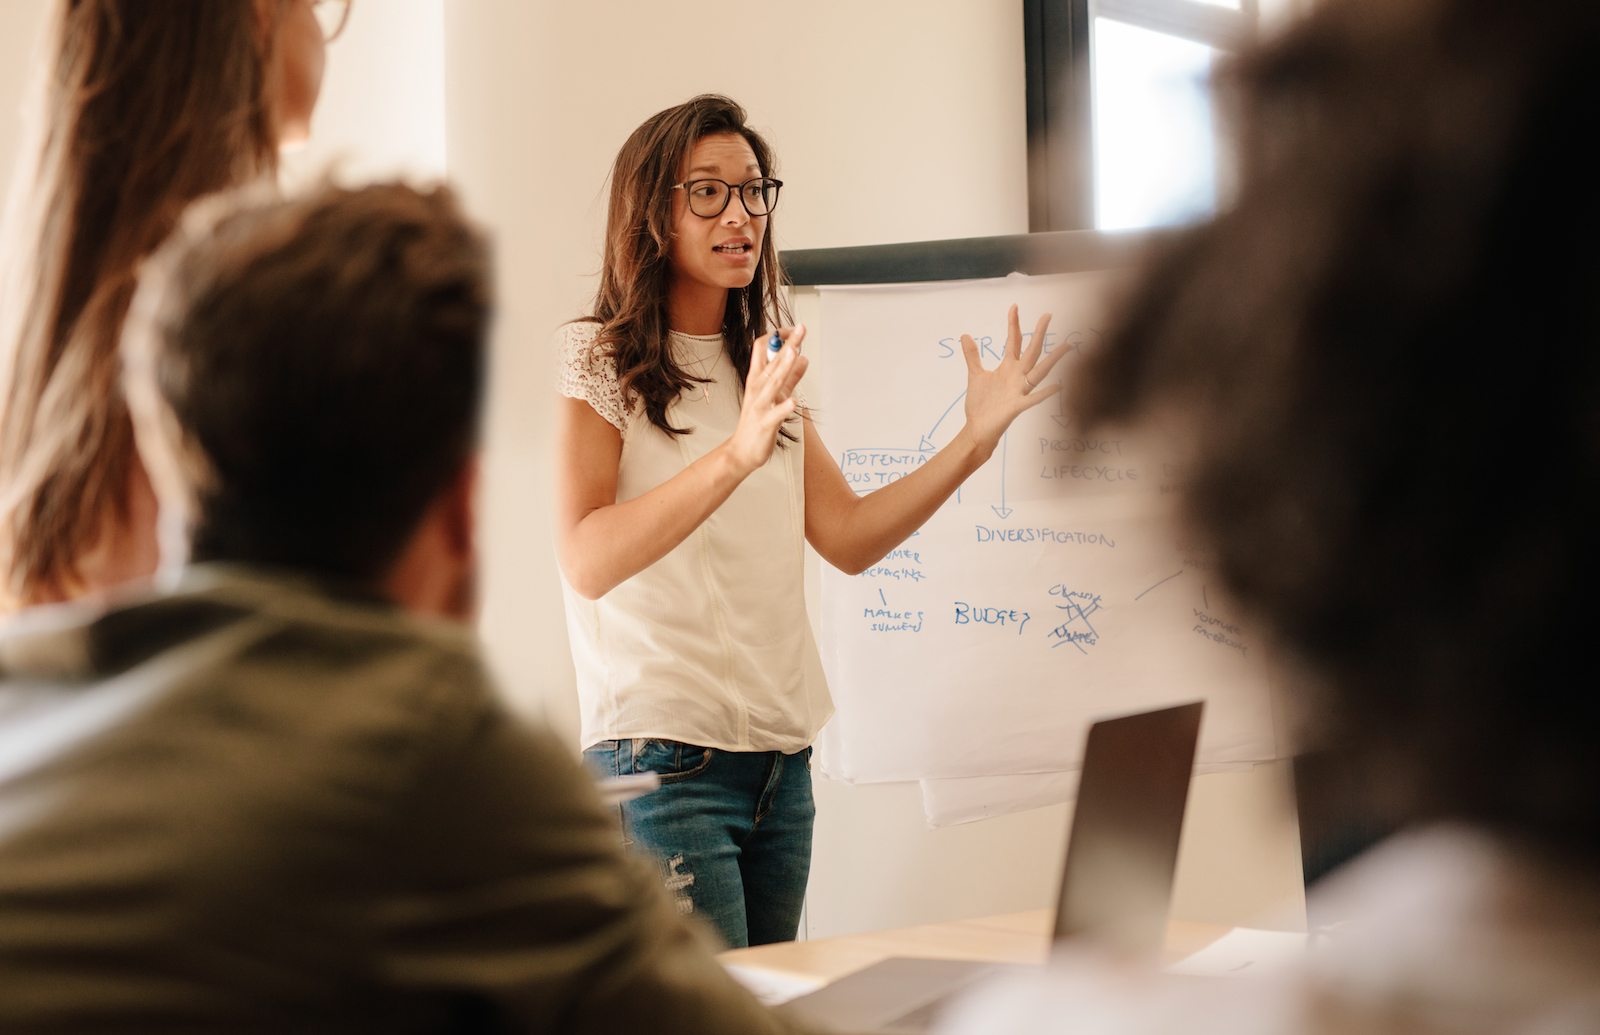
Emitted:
<point x="631" y="306"/>
<point x="139" y="109"/>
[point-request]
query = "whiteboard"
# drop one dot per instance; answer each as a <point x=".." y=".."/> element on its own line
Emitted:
<point x="1052" y="590"/>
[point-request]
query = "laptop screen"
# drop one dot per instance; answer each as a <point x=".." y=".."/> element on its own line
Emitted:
<point x="1116" y="885"/>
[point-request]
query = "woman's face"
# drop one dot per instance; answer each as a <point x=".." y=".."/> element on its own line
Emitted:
<point x="721" y="251"/>
<point x="299" y="55"/>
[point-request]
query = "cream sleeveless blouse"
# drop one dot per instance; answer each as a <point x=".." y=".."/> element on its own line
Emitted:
<point x="710" y="645"/>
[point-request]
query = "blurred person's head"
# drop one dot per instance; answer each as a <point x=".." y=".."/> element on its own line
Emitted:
<point x="305" y="378"/>
<point x="659" y="245"/>
<point x="137" y="109"/>
<point x="1386" y="361"/>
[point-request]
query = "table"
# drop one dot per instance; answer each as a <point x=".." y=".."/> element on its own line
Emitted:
<point x="1011" y="938"/>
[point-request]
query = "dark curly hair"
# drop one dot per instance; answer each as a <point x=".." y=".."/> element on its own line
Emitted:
<point x="1386" y="358"/>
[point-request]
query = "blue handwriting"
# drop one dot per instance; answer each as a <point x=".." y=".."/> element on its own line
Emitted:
<point x="986" y="534"/>
<point x="970" y="614"/>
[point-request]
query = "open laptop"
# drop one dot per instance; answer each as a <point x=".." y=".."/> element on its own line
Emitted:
<point x="1116" y="883"/>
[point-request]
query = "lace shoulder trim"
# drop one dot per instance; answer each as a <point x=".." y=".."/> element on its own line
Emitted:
<point x="589" y="372"/>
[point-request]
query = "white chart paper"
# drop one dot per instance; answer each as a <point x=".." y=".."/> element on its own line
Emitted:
<point x="772" y="987"/>
<point x="948" y="803"/>
<point x="1051" y="591"/>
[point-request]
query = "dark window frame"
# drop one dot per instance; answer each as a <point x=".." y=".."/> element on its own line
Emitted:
<point x="1060" y="120"/>
<point x="1061" y="238"/>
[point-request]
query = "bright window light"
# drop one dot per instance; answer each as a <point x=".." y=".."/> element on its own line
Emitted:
<point x="1221" y="3"/>
<point x="1155" y="160"/>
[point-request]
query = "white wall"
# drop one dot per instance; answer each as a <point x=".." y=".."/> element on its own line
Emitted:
<point x="382" y="109"/>
<point x="21" y="24"/>
<point x="877" y="864"/>
<point x="894" y="120"/>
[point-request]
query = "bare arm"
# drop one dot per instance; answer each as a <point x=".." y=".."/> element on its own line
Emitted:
<point x="854" y="532"/>
<point x="602" y="543"/>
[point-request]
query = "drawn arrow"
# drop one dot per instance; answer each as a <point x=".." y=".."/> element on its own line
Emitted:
<point x="1003" y="510"/>
<point x="927" y="440"/>
<point x="1062" y="418"/>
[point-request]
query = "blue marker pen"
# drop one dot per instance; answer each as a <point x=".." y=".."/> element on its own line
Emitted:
<point x="774" y="346"/>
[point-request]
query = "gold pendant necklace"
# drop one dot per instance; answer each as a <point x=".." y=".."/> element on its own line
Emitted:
<point x="701" y="371"/>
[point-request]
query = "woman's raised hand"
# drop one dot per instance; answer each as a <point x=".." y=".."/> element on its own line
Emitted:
<point x="768" y="399"/>
<point x="995" y="397"/>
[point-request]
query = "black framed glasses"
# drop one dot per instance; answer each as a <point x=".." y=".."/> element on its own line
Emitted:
<point x="332" y="15"/>
<point x="708" y="198"/>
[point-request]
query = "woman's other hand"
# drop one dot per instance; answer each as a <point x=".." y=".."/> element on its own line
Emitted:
<point x="995" y="397"/>
<point x="768" y="400"/>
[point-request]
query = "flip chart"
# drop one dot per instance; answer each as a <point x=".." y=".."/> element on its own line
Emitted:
<point x="1052" y="590"/>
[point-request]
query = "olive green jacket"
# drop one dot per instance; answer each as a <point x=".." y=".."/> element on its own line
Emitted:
<point x="256" y="804"/>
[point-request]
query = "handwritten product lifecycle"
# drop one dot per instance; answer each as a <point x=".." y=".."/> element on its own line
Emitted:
<point x="1050" y="591"/>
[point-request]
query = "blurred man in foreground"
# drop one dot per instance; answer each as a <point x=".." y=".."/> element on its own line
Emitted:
<point x="1384" y="362"/>
<point x="277" y="797"/>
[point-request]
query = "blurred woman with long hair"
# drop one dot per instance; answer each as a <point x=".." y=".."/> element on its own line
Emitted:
<point x="138" y="108"/>
<point x="1381" y="368"/>
<point x="690" y="478"/>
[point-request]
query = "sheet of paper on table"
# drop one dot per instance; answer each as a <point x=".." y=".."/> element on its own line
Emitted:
<point x="770" y="987"/>
<point x="1244" y="952"/>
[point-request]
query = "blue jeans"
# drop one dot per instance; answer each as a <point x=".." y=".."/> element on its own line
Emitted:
<point x="731" y="830"/>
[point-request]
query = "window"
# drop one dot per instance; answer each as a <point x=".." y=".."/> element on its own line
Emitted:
<point x="1121" y="130"/>
<point x="1154" y="144"/>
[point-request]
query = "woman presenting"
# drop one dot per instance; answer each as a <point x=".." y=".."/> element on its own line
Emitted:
<point x="689" y="477"/>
